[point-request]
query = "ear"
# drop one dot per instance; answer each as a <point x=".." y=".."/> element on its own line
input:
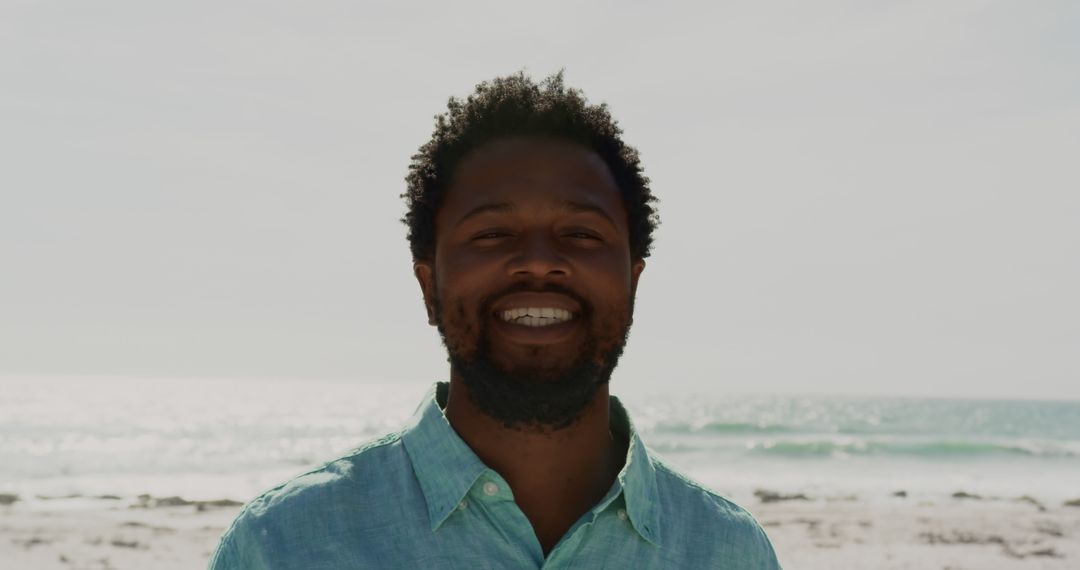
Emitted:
<point x="425" y="275"/>
<point x="635" y="272"/>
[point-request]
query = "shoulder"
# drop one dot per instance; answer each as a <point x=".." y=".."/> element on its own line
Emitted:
<point x="358" y="474"/>
<point x="314" y="507"/>
<point x="709" y="521"/>
<point x="695" y="498"/>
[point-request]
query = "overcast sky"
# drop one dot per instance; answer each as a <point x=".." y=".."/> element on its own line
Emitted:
<point x="857" y="197"/>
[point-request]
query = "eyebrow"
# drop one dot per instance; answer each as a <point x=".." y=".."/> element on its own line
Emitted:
<point x="583" y="208"/>
<point x="566" y="205"/>
<point x="499" y="208"/>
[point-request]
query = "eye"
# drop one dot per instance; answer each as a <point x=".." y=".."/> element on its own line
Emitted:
<point x="489" y="235"/>
<point x="583" y="235"/>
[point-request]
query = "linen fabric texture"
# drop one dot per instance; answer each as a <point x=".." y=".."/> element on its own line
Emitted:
<point x="420" y="498"/>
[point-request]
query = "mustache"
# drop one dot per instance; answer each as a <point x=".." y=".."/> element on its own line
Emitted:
<point x="524" y="287"/>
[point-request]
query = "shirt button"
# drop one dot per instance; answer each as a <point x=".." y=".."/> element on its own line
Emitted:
<point x="491" y="489"/>
<point x="622" y="514"/>
<point x="464" y="504"/>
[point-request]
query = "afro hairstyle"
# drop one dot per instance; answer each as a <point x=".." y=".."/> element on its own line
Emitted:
<point x="517" y="106"/>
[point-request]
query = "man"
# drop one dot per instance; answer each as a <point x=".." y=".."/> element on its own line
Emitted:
<point x="529" y="224"/>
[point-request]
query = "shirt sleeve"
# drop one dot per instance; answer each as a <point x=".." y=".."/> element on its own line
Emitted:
<point x="234" y="552"/>
<point x="225" y="557"/>
<point x="766" y="554"/>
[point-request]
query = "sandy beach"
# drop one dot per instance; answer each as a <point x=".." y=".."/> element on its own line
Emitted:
<point x="109" y="533"/>
<point x="955" y="534"/>
<point x="960" y="532"/>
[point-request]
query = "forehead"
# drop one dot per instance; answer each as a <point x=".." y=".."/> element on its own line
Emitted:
<point x="528" y="173"/>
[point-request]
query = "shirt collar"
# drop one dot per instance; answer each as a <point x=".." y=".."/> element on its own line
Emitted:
<point x="444" y="464"/>
<point x="637" y="478"/>
<point x="447" y="468"/>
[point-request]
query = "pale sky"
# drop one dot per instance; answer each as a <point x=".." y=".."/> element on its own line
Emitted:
<point x="857" y="197"/>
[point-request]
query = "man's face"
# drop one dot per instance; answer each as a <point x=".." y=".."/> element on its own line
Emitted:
<point x="527" y="224"/>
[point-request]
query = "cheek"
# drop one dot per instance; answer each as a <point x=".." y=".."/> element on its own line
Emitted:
<point x="611" y="317"/>
<point x="462" y="284"/>
<point x="611" y="287"/>
<point x="612" y="308"/>
<point x="456" y="311"/>
<point x="457" y="329"/>
<point x="459" y="318"/>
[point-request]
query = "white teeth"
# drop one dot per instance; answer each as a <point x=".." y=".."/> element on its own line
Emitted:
<point x="536" y="316"/>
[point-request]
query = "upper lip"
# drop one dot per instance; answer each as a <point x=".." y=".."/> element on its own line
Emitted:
<point x="536" y="300"/>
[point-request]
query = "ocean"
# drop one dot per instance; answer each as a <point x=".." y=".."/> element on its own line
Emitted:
<point x="231" y="439"/>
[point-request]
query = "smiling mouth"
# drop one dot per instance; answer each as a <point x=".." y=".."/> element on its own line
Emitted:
<point x="536" y="316"/>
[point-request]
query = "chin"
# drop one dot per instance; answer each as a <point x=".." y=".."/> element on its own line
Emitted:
<point x="530" y="396"/>
<point x="540" y="369"/>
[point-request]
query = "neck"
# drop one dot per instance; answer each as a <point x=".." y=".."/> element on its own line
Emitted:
<point x="556" y="476"/>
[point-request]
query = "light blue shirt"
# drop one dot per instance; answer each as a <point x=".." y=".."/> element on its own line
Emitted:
<point x="420" y="498"/>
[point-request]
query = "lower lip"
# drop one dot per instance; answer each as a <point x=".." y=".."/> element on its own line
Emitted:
<point x="524" y="334"/>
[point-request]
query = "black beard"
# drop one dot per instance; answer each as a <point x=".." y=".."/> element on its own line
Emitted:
<point x="534" y="399"/>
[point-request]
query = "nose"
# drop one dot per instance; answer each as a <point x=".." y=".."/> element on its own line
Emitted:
<point x="538" y="256"/>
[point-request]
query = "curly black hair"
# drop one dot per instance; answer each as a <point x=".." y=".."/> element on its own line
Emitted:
<point x="513" y="106"/>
